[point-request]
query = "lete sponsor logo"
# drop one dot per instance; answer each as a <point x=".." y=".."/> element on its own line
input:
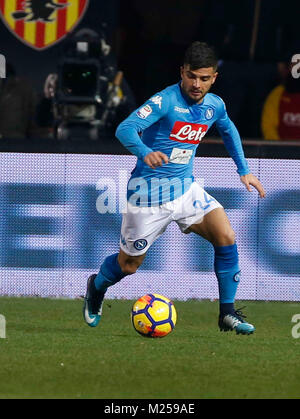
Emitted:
<point x="188" y="133"/>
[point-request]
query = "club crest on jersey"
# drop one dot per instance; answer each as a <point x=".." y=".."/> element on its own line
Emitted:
<point x="144" y="112"/>
<point x="209" y="113"/>
<point x="42" y="23"/>
<point x="185" y="132"/>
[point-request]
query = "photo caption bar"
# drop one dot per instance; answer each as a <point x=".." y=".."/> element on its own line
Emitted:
<point x="150" y="407"/>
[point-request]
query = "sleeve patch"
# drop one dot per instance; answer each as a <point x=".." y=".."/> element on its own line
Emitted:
<point x="157" y="100"/>
<point x="144" y="112"/>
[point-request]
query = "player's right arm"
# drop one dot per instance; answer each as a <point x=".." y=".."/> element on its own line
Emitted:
<point x="234" y="146"/>
<point x="231" y="139"/>
<point x="130" y="130"/>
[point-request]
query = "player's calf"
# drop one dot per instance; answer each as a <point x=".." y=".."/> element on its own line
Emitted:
<point x="110" y="273"/>
<point x="130" y="264"/>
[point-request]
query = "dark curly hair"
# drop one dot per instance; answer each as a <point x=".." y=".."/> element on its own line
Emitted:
<point x="200" y="55"/>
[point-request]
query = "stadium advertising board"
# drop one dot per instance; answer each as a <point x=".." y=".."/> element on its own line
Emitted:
<point x="61" y="216"/>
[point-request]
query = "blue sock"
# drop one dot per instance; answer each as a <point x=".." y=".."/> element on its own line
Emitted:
<point x="110" y="273"/>
<point x="228" y="274"/>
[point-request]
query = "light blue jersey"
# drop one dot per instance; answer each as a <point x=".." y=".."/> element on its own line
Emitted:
<point x="173" y="124"/>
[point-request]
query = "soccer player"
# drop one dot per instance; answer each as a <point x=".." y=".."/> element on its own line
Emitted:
<point x="164" y="134"/>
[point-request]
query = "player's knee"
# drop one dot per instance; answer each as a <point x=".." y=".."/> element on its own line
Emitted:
<point x="226" y="238"/>
<point x="230" y="237"/>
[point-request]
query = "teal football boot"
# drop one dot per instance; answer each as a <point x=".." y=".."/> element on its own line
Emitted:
<point x="93" y="301"/>
<point x="235" y="321"/>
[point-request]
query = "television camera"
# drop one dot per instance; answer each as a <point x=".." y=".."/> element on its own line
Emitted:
<point x="85" y="89"/>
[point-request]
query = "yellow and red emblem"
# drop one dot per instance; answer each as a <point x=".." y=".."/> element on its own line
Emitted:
<point x="42" y="23"/>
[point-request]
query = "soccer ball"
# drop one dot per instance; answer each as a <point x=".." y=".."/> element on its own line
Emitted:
<point x="153" y="315"/>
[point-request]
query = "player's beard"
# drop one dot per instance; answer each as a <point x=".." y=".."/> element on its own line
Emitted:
<point x="196" y="95"/>
<point x="197" y="98"/>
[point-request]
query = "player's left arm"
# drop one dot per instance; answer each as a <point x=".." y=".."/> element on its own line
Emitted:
<point x="233" y="144"/>
<point x="249" y="180"/>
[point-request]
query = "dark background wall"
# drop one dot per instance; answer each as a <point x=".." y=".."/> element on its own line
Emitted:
<point x="36" y="65"/>
<point x="149" y="39"/>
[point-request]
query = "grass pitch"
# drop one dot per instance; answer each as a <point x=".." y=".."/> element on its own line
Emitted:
<point x="49" y="352"/>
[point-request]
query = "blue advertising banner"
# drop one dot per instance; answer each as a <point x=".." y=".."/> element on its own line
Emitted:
<point x="61" y="216"/>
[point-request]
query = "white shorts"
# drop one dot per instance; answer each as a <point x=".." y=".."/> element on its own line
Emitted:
<point x="141" y="226"/>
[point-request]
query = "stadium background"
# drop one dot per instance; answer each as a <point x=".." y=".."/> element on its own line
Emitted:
<point x="52" y="236"/>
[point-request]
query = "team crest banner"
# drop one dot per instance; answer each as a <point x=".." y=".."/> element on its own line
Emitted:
<point x="42" y="23"/>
